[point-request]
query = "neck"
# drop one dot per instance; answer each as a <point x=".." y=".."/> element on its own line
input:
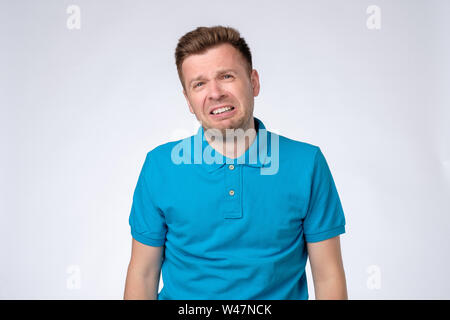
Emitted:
<point x="236" y="142"/>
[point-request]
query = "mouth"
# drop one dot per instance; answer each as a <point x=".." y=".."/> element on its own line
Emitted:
<point x="222" y="110"/>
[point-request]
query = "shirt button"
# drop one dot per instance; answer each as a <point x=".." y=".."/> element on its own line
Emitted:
<point x="231" y="192"/>
<point x="231" y="167"/>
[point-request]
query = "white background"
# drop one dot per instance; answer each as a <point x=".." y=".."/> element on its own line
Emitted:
<point x="80" y="108"/>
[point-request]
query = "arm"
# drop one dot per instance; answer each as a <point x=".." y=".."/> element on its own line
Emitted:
<point x="327" y="269"/>
<point x="143" y="272"/>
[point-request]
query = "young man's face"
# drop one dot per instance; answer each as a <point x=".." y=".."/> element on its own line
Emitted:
<point x="219" y="78"/>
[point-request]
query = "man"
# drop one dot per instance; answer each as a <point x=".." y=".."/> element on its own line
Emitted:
<point x="228" y="225"/>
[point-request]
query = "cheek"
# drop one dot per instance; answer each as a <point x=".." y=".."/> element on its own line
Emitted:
<point x="240" y="93"/>
<point x="245" y="96"/>
<point x="197" y="102"/>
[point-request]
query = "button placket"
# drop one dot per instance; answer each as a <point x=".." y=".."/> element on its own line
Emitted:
<point x="232" y="204"/>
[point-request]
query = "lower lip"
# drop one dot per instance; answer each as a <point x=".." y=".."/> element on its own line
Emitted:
<point x="224" y="115"/>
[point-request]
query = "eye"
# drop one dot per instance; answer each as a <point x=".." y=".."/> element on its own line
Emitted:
<point x="228" y="75"/>
<point x="197" y="84"/>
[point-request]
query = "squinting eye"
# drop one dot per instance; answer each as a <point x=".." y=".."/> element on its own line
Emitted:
<point x="196" y="85"/>
<point x="227" y="75"/>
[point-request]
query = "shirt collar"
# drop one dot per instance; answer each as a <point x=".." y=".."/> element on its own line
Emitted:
<point x="253" y="156"/>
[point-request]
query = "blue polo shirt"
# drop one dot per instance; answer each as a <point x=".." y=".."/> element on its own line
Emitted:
<point x="230" y="229"/>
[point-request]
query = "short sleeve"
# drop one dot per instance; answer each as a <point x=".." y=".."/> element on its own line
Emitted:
<point x="325" y="217"/>
<point x="146" y="220"/>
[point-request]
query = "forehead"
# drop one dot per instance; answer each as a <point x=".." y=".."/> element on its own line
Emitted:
<point x="223" y="56"/>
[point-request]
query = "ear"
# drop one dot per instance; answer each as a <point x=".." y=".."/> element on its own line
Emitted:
<point x="254" y="78"/>
<point x="189" y="104"/>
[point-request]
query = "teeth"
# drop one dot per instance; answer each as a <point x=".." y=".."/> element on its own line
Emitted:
<point x="220" y="110"/>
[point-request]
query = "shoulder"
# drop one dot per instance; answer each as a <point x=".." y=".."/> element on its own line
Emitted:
<point x="296" y="149"/>
<point x="161" y="155"/>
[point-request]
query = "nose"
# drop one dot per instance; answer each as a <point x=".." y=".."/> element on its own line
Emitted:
<point x="215" y="91"/>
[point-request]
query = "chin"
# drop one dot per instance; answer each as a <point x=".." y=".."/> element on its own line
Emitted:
<point x="229" y="124"/>
<point x="238" y="121"/>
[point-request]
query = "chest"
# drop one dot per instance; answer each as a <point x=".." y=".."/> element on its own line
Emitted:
<point x="236" y="206"/>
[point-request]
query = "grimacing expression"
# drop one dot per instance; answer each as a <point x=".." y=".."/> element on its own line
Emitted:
<point x="218" y="88"/>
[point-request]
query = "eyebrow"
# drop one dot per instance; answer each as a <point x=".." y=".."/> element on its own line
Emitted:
<point x="199" y="77"/>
